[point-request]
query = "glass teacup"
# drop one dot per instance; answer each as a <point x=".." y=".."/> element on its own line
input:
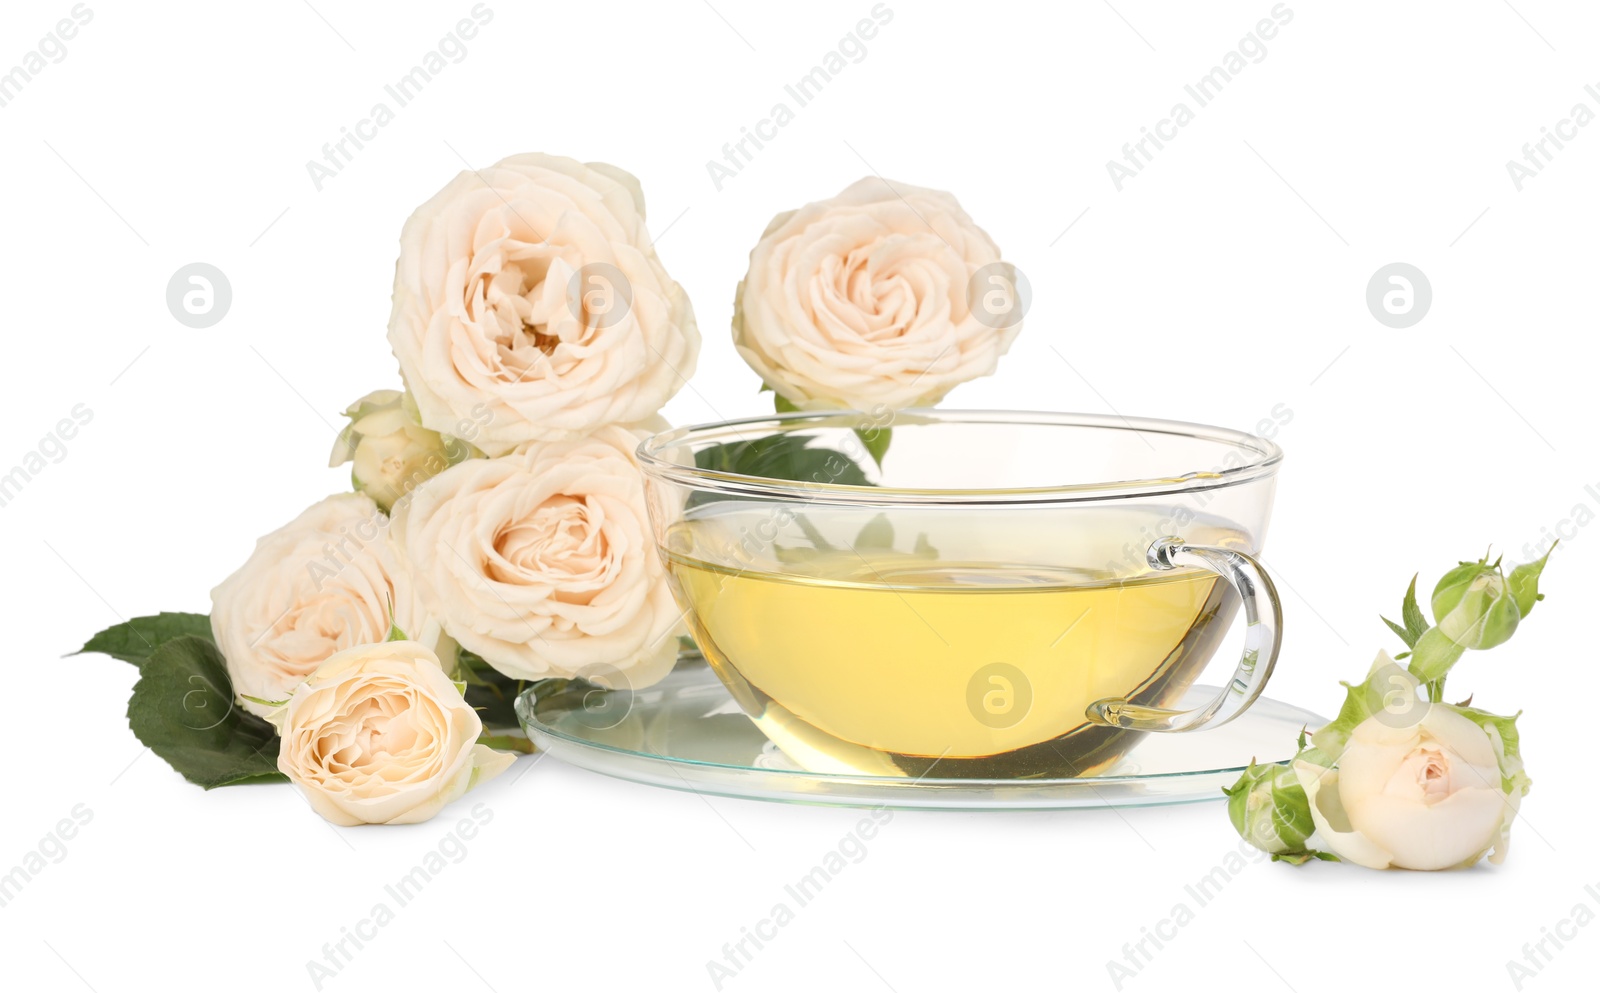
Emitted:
<point x="995" y="594"/>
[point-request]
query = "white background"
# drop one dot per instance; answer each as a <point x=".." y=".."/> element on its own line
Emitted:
<point x="1225" y="279"/>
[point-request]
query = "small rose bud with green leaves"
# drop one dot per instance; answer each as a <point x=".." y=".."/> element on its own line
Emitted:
<point x="393" y="453"/>
<point x="1269" y="809"/>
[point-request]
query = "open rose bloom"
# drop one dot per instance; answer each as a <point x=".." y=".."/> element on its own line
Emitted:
<point x="542" y="562"/>
<point x="1423" y="786"/>
<point x="380" y="735"/>
<point x="326" y="581"/>
<point x="528" y="295"/>
<point x="886" y="296"/>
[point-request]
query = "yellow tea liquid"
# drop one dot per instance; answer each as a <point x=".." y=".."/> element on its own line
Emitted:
<point x="868" y="659"/>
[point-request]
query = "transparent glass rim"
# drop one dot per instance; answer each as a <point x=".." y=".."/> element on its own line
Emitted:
<point x="1261" y="458"/>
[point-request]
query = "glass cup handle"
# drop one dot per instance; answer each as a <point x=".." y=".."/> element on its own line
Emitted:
<point x="1263" y="617"/>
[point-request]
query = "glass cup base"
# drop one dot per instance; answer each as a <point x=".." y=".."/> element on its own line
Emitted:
<point x="687" y="733"/>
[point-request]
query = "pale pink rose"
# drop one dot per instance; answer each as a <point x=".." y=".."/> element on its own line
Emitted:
<point x="380" y="735"/>
<point x="496" y="317"/>
<point x="862" y="301"/>
<point x="324" y="582"/>
<point x="543" y="562"/>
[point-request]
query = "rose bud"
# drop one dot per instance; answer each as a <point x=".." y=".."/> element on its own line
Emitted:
<point x="1269" y="809"/>
<point x="393" y="453"/>
<point x="1475" y="607"/>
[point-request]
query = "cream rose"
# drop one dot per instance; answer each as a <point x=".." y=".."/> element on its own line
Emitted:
<point x="1434" y="795"/>
<point x="885" y="296"/>
<point x="542" y="562"/>
<point x="391" y="451"/>
<point x="325" y="581"/>
<point x="530" y="292"/>
<point x="380" y="735"/>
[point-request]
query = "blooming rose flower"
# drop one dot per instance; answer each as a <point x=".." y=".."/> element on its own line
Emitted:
<point x="531" y="288"/>
<point x="392" y="452"/>
<point x="325" y="581"/>
<point x="380" y="735"/>
<point x="1435" y="795"/>
<point x="543" y="562"/>
<point x="875" y="298"/>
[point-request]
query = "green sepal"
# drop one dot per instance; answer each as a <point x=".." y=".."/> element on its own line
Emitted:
<point x="1301" y="858"/>
<point x="1434" y="655"/>
<point x="182" y="708"/>
<point x="1269" y="808"/>
<point x="1524" y="582"/>
<point x="1509" y="745"/>
<point x="264" y="703"/>
<point x="137" y="639"/>
<point x="1331" y="738"/>
<point x="1361" y="700"/>
<point x="1453" y="585"/>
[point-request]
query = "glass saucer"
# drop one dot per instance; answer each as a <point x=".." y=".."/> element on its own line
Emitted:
<point x="687" y="733"/>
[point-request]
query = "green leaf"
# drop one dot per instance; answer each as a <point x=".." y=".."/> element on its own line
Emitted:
<point x="1405" y="635"/>
<point x="876" y="533"/>
<point x="469" y="665"/>
<point x="785" y="457"/>
<point x="1524" y="582"/>
<point x="136" y="640"/>
<point x="1415" y="623"/>
<point x="780" y="404"/>
<point x="1412" y="614"/>
<point x="876" y="441"/>
<point x="490" y="692"/>
<point x="183" y="709"/>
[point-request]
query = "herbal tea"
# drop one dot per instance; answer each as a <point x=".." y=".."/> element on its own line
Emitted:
<point x="856" y="657"/>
